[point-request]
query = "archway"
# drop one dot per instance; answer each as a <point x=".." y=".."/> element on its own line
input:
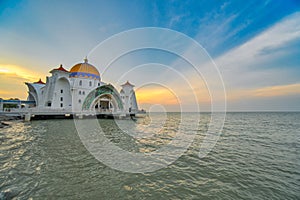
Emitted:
<point x="104" y="103"/>
<point x="102" y="99"/>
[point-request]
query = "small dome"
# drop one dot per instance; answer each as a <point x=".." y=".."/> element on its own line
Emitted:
<point x="127" y="84"/>
<point x="39" y="82"/>
<point x="59" y="69"/>
<point x="84" y="70"/>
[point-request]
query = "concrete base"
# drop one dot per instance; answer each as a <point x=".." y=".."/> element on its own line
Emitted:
<point x="27" y="117"/>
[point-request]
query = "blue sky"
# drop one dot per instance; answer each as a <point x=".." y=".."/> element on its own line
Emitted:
<point x="36" y="36"/>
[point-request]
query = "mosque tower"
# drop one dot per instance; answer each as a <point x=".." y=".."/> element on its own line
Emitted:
<point x="128" y="97"/>
<point x="56" y="92"/>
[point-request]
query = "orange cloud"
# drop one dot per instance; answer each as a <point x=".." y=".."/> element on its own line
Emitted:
<point x="280" y="90"/>
<point x="156" y="95"/>
<point x="12" y="80"/>
<point x="272" y="91"/>
<point x="18" y="71"/>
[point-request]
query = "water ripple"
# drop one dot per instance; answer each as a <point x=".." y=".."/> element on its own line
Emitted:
<point x="256" y="157"/>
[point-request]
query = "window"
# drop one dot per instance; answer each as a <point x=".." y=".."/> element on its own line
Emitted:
<point x="79" y="92"/>
<point x="83" y="92"/>
<point x="61" y="91"/>
<point x="79" y="101"/>
<point x="80" y="82"/>
<point x="61" y="98"/>
<point x="98" y="84"/>
<point x="61" y="105"/>
<point x="90" y="83"/>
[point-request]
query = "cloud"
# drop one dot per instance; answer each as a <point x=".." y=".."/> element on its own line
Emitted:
<point x="155" y="95"/>
<point x="175" y="19"/>
<point x="19" y="72"/>
<point x="280" y="90"/>
<point x="12" y="78"/>
<point x="247" y="67"/>
<point x="249" y="53"/>
<point x="253" y="70"/>
<point x="244" y="68"/>
<point x="264" y="92"/>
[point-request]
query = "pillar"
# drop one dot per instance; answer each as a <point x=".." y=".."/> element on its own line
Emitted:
<point x="27" y="117"/>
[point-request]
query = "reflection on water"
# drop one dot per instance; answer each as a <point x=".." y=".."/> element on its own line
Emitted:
<point x="256" y="157"/>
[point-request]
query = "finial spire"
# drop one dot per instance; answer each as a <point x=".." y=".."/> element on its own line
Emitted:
<point x="85" y="59"/>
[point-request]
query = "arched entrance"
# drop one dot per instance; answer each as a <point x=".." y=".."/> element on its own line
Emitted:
<point x="105" y="103"/>
<point x="103" y="99"/>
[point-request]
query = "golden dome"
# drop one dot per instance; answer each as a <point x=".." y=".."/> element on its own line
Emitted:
<point x="84" y="70"/>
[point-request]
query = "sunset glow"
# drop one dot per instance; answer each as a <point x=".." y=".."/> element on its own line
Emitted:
<point x="156" y="95"/>
<point x="12" y="79"/>
<point x="257" y="54"/>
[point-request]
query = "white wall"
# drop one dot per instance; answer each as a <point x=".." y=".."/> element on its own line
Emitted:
<point x="81" y="87"/>
<point x="52" y="91"/>
<point x="62" y="95"/>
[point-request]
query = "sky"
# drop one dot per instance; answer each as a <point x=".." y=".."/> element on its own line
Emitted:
<point x="254" y="44"/>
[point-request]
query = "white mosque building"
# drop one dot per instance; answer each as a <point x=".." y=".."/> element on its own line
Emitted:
<point x="80" y="90"/>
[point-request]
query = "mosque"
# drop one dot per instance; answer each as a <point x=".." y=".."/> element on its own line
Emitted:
<point x="80" y="90"/>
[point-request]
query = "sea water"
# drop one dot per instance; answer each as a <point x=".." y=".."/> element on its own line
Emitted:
<point x="257" y="156"/>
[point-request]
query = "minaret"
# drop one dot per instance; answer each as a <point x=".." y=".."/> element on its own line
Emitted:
<point x="128" y="97"/>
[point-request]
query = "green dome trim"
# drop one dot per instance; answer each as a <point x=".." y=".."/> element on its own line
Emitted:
<point x="104" y="89"/>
